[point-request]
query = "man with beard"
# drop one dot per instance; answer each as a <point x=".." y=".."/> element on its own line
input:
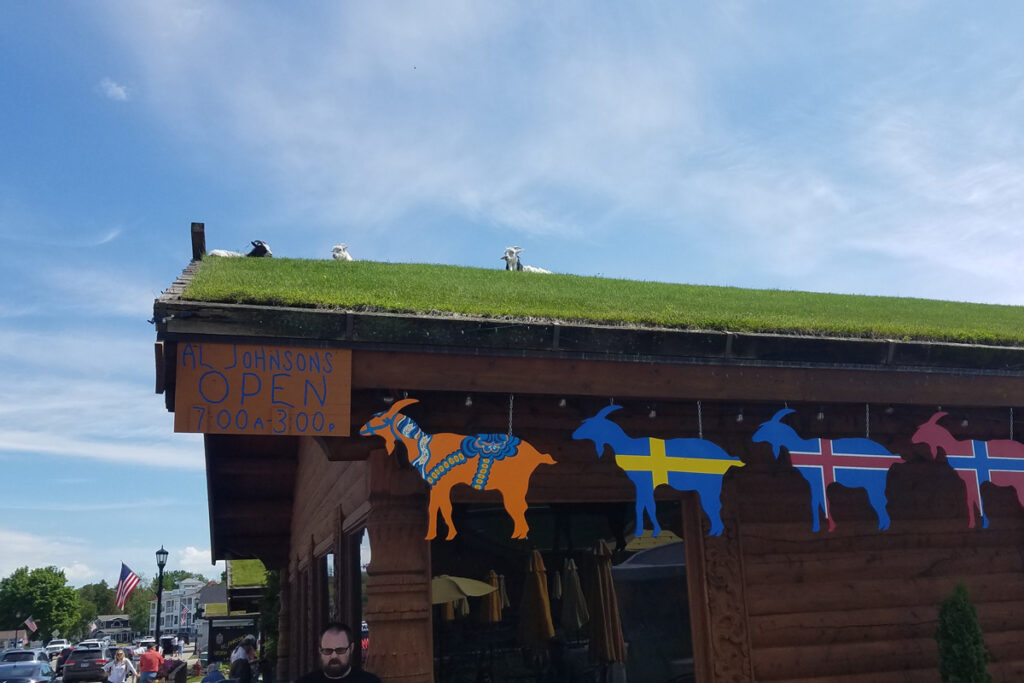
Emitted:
<point x="336" y="659"/>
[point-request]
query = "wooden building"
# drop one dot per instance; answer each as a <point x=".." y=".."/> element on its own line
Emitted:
<point x="767" y="600"/>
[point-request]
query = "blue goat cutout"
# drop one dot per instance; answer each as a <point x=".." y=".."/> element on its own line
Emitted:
<point x="853" y="462"/>
<point x="684" y="464"/>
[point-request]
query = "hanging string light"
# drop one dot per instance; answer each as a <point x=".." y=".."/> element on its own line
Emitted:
<point x="700" y="422"/>
<point x="511" y="397"/>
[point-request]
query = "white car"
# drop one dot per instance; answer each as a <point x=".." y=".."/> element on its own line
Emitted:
<point x="54" y="647"/>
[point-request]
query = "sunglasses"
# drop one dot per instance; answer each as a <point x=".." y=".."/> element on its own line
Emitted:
<point x="327" y="651"/>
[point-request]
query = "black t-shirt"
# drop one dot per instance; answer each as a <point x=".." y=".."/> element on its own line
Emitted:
<point x="352" y="677"/>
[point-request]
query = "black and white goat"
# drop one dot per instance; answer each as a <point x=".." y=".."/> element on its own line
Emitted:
<point x="512" y="262"/>
<point x="340" y="252"/>
<point x="259" y="249"/>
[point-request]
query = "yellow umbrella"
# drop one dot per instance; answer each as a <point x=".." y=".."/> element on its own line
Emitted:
<point x="446" y="588"/>
<point x="535" y="627"/>
<point x="490" y="606"/>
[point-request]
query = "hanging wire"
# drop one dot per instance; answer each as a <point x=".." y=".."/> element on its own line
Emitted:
<point x="867" y="421"/>
<point x="700" y="422"/>
<point x="511" y="397"/>
<point x="1011" y="424"/>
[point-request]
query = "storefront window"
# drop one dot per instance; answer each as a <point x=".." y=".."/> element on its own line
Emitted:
<point x="547" y="629"/>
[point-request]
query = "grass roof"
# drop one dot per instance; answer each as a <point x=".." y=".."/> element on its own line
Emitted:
<point x="246" y="573"/>
<point x="434" y="289"/>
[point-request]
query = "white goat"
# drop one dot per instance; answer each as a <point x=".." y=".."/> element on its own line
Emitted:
<point x="259" y="248"/>
<point x="340" y="252"/>
<point x="512" y="262"/>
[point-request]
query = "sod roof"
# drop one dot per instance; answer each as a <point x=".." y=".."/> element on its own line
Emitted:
<point x="426" y="289"/>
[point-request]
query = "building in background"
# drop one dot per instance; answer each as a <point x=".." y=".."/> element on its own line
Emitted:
<point x="117" y="627"/>
<point x="178" y="612"/>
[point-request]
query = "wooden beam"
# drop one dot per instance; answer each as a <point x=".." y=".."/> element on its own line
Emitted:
<point x="198" y="241"/>
<point x="249" y="510"/>
<point x="678" y="381"/>
<point x="158" y="353"/>
<point x="345" y="449"/>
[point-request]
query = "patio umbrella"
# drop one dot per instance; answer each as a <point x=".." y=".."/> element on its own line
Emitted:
<point x="504" y="593"/>
<point x="574" y="604"/>
<point x="490" y="605"/>
<point x="555" y="583"/>
<point x="446" y="588"/>
<point x="606" y="642"/>
<point x="535" y="627"/>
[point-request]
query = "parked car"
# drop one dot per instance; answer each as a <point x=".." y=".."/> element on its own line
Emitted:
<point x="26" y="672"/>
<point x="86" y="664"/>
<point x="59" y="664"/>
<point x="25" y="656"/>
<point x="54" y="647"/>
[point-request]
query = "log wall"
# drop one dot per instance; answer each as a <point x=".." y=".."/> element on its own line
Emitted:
<point x="859" y="604"/>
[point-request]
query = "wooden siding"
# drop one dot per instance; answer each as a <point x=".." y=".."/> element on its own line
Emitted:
<point x="859" y="604"/>
<point x="327" y="500"/>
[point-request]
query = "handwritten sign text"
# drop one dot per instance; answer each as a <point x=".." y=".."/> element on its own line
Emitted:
<point x="254" y="389"/>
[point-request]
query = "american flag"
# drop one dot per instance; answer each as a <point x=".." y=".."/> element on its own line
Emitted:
<point x="184" y="615"/>
<point x="31" y="624"/>
<point x="125" y="585"/>
<point x="92" y="626"/>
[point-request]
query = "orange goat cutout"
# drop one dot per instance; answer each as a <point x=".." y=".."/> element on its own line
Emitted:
<point x="487" y="462"/>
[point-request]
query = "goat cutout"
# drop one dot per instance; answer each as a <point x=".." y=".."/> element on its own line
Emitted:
<point x="684" y="464"/>
<point x="854" y="462"/>
<point x="485" y="462"/>
<point x="999" y="461"/>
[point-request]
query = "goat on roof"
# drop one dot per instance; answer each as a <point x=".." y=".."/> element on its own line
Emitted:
<point x="259" y="249"/>
<point x="512" y="262"/>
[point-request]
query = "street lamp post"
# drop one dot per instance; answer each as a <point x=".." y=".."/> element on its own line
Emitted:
<point x="161" y="561"/>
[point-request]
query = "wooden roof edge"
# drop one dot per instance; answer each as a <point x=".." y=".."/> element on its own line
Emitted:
<point x="173" y="293"/>
<point x="201" y="321"/>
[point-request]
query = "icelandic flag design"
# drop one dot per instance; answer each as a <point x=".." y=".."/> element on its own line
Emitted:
<point x="998" y="462"/>
<point x="857" y="463"/>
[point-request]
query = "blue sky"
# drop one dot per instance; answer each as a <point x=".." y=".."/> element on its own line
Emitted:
<point x="870" y="147"/>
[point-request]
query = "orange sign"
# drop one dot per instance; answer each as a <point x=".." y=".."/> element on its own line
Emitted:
<point x="254" y="389"/>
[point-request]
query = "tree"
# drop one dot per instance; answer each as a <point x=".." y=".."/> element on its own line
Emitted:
<point x="101" y="595"/>
<point x="137" y="608"/>
<point x="270" y="610"/>
<point x="962" y="654"/>
<point x="42" y="594"/>
<point x="172" y="578"/>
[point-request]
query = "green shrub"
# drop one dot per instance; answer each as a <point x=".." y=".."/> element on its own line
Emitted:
<point x="962" y="653"/>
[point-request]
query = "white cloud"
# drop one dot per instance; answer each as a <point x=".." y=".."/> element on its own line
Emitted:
<point x="21" y="549"/>
<point x="112" y="90"/>
<point x="198" y="560"/>
<point x="79" y="574"/>
<point x="135" y="453"/>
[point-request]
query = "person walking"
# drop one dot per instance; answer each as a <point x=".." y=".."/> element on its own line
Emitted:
<point x="336" y="659"/>
<point x="149" y="664"/>
<point x="119" y="668"/>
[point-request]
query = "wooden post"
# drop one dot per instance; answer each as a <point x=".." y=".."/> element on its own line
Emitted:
<point x="198" y="241"/>
<point x="398" y="608"/>
<point x="284" y="628"/>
